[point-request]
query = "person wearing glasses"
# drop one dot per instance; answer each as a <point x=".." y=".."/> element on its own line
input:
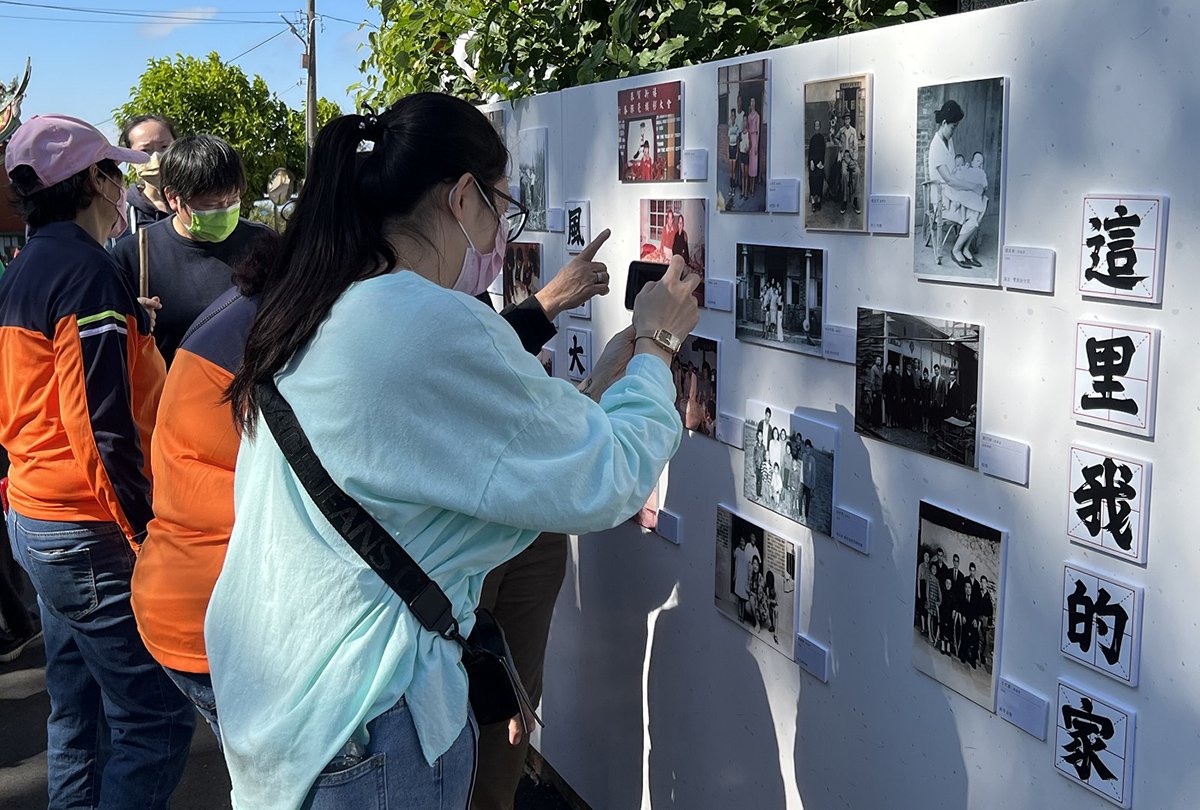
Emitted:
<point x="195" y="451"/>
<point x="191" y="253"/>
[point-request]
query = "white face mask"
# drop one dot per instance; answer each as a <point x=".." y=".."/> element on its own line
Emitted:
<point x="479" y="270"/>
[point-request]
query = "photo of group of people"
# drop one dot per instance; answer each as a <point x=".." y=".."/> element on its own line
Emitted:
<point x="694" y="368"/>
<point x="836" y="113"/>
<point x="918" y="383"/>
<point x="532" y="168"/>
<point x="522" y="271"/>
<point x="790" y="465"/>
<point x="756" y="580"/>
<point x="650" y="132"/>
<point x="671" y="228"/>
<point x="959" y="571"/>
<point x="781" y="297"/>
<point x="742" y="137"/>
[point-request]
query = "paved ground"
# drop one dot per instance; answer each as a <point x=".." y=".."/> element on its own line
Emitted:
<point x="24" y="706"/>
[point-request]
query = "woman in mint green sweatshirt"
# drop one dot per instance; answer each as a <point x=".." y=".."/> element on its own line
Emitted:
<point x="372" y="333"/>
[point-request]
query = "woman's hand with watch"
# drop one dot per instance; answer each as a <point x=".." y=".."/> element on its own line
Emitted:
<point x="665" y="312"/>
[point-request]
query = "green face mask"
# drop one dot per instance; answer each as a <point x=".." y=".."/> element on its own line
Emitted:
<point x="214" y="226"/>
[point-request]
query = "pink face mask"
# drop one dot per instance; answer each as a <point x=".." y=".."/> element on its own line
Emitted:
<point x="122" y="205"/>
<point x="479" y="270"/>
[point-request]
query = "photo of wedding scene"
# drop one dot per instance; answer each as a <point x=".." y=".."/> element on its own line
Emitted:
<point x="956" y="617"/>
<point x="756" y="572"/>
<point x="918" y="383"/>
<point x="836" y="116"/>
<point x="742" y="137"/>
<point x="522" y="271"/>
<point x="960" y="180"/>
<point x="694" y="368"/>
<point x="790" y="465"/>
<point x="650" y="132"/>
<point x="781" y="297"/>
<point x="670" y="228"/>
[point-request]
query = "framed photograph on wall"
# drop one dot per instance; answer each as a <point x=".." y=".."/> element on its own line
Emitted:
<point x="960" y="182"/>
<point x="756" y="575"/>
<point x="668" y="228"/>
<point x="918" y="383"/>
<point x="959" y="588"/>
<point x="781" y="297"/>
<point x="522" y="271"/>
<point x="533" y="168"/>
<point x="696" y="367"/>
<point x="837" y="176"/>
<point x="790" y="465"/>
<point x="743" y="109"/>
<point x="650" y="133"/>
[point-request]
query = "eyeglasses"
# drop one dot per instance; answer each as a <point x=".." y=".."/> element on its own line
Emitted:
<point x="515" y="215"/>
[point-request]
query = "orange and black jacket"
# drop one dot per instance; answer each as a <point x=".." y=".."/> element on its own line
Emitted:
<point x="80" y="380"/>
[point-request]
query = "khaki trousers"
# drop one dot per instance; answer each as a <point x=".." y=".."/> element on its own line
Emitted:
<point x="521" y="594"/>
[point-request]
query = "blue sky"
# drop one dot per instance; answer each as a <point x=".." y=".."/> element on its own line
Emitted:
<point x="85" y="64"/>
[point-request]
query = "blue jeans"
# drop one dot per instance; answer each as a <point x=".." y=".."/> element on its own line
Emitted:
<point x="119" y="731"/>
<point x="197" y="687"/>
<point x="395" y="774"/>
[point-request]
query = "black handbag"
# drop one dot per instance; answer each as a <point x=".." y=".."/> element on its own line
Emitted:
<point x="496" y="693"/>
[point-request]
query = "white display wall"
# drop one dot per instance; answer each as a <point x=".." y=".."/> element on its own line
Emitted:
<point x="652" y="697"/>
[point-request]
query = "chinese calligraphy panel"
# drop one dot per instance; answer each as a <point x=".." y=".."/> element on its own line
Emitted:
<point x="579" y="353"/>
<point x="1094" y="744"/>
<point x="1122" y="248"/>
<point x="1102" y="624"/>
<point x="1116" y="374"/>
<point x="579" y="225"/>
<point x="1108" y="503"/>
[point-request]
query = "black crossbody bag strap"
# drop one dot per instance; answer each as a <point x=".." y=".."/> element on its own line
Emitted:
<point x="362" y="532"/>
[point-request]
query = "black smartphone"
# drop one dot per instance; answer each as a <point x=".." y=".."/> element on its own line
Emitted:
<point x="641" y="274"/>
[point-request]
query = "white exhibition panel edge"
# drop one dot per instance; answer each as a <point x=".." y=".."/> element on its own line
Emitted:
<point x="651" y="696"/>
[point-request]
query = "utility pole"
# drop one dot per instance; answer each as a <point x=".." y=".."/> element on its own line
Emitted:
<point x="310" y="108"/>
<point x="309" y="61"/>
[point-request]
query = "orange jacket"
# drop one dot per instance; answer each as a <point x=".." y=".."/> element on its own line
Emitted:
<point x="194" y="452"/>
<point x="80" y="380"/>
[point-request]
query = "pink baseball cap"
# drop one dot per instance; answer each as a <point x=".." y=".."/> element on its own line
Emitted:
<point x="58" y="146"/>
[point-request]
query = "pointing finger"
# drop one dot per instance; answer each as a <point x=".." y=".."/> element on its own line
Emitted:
<point x="590" y="251"/>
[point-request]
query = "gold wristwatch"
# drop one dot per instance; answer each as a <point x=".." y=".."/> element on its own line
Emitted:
<point x="664" y="339"/>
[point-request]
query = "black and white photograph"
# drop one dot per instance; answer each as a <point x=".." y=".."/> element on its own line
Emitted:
<point x="790" y="464"/>
<point x="695" y="368"/>
<point x="1122" y="247"/>
<point x="1093" y="743"/>
<point x="960" y="182"/>
<point x="781" y="297"/>
<point x="918" y="383"/>
<point x="958" y="586"/>
<point x="1116" y="376"/>
<point x="742" y="145"/>
<point x="837" y="116"/>
<point x="579" y="354"/>
<point x="1108" y="503"/>
<point x="757" y="572"/>
<point x="1102" y="623"/>
<point x="533" y="167"/>
<point x="497" y="119"/>
<point x="522" y="271"/>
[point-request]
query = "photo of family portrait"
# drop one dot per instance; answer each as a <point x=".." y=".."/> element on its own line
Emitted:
<point x="956" y="618"/>
<point x="756" y="580"/>
<point x="790" y="465"/>
<point x="837" y="176"/>
<point x="742" y="137"/>
<point x="960" y="181"/>
<point x="918" y="383"/>
<point x="781" y="297"/>
<point x="650" y="133"/>
<point x="694" y="368"/>
<point x="522" y="271"/>
<point x="669" y="228"/>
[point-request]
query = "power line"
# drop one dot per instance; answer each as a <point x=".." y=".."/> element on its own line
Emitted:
<point x="256" y="47"/>
<point x="141" y="16"/>
<point x="351" y="22"/>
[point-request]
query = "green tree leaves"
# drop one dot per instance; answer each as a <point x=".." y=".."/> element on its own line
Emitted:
<point x="207" y="95"/>
<point x="516" y="48"/>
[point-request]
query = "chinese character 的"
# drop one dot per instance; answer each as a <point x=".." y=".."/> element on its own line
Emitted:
<point x="1087" y="614"/>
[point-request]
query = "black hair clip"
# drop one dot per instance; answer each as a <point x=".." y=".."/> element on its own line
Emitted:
<point x="370" y="127"/>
